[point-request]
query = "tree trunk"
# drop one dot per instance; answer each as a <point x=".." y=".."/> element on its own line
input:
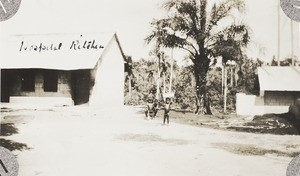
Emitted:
<point x="235" y="75"/>
<point x="222" y="80"/>
<point x="158" y="80"/>
<point x="231" y="76"/>
<point x="225" y="89"/>
<point x="129" y="86"/>
<point x="200" y="71"/>
<point x="171" y="73"/>
<point x="164" y="79"/>
<point x="157" y="86"/>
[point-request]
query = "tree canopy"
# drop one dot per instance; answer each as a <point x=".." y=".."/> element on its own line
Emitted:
<point x="204" y="34"/>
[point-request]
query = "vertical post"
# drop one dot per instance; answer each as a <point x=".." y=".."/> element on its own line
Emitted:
<point x="225" y="88"/>
<point x="292" y="44"/>
<point x="278" y="37"/>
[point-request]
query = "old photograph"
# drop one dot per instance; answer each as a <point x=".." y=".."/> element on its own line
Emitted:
<point x="152" y="87"/>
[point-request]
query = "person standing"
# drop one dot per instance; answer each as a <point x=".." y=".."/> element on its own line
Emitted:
<point x="167" y="110"/>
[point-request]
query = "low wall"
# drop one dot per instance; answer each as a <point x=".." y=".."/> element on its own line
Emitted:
<point x="41" y="101"/>
<point x="254" y="105"/>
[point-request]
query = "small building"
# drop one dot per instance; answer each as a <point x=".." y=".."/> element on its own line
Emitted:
<point x="280" y="86"/>
<point x="279" y="89"/>
<point x="63" y="69"/>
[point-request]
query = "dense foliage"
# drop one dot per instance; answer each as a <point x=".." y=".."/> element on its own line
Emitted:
<point x="145" y="75"/>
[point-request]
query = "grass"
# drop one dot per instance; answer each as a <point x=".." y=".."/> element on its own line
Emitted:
<point x="280" y="124"/>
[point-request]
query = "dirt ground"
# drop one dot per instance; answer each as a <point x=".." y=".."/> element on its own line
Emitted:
<point x="71" y="141"/>
<point x="280" y="124"/>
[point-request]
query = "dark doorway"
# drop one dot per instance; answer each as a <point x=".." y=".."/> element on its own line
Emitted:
<point x="27" y="80"/>
<point x="80" y="80"/>
<point x="50" y="80"/>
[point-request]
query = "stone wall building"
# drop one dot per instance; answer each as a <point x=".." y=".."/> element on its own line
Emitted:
<point x="63" y="69"/>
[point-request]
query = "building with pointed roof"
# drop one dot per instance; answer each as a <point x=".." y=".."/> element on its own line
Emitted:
<point x="63" y="69"/>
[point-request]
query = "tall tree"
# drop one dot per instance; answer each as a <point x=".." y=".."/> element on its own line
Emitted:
<point x="129" y="74"/>
<point x="162" y="69"/>
<point x="189" y="26"/>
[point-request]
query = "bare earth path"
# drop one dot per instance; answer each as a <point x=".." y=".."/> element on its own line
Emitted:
<point x="79" y="141"/>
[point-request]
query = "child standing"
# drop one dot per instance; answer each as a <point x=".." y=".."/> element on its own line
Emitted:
<point x="150" y="106"/>
<point x="167" y="110"/>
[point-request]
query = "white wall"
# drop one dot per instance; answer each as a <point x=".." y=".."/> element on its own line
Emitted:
<point x="108" y="90"/>
<point x="245" y="105"/>
<point x="254" y="105"/>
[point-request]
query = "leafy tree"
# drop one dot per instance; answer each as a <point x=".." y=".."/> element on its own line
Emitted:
<point x="247" y="82"/>
<point x="248" y="78"/>
<point x="129" y="74"/>
<point x="285" y="62"/>
<point x="183" y="86"/>
<point x="189" y="26"/>
<point x="162" y="68"/>
<point x="144" y="79"/>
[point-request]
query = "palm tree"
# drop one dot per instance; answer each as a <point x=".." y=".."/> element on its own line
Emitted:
<point x="190" y="27"/>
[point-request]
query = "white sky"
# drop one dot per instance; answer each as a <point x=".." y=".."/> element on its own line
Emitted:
<point x="130" y="19"/>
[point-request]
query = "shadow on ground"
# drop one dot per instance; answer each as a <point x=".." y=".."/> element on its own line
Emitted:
<point x="245" y="149"/>
<point x="151" y="138"/>
<point x="8" y="129"/>
<point x="12" y="145"/>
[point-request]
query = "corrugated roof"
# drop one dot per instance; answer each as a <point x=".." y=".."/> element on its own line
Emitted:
<point x="54" y="51"/>
<point x="279" y="78"/>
